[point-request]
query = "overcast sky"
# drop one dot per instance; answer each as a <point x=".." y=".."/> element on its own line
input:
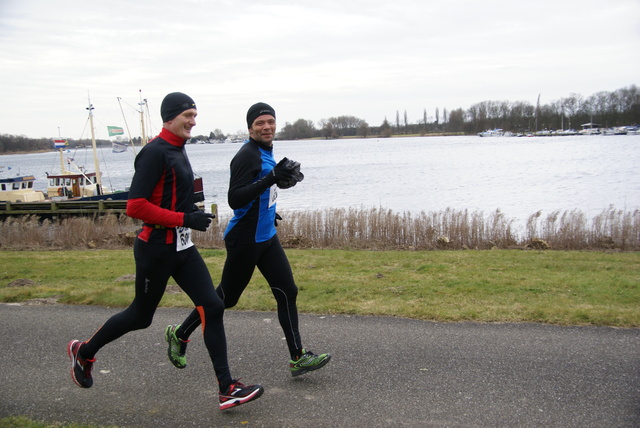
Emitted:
<point x="308" y="59"/>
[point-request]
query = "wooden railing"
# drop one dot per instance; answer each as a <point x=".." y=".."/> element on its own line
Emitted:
<point x="51" y="209"/>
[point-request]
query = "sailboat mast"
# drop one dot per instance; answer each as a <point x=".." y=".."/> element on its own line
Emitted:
<point x="62" y="168"/>
<point x="95" y="150"/>
<point x="141" y="104"/>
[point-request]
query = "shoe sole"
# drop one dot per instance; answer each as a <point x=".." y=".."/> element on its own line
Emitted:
<point x="234" y="402"/>
<point x="310" y="369"/>
<point x="73" y="364"/>
<point x="167" y="338"/>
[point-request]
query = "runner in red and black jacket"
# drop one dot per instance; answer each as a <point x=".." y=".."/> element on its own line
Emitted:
<point x="161" y="195"/>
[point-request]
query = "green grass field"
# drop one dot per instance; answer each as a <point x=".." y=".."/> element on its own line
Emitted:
<point x="557" y="287"/>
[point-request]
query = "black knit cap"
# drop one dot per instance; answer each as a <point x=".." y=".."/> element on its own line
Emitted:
<point x="257" y="110"/>
<point x="174" y="104"/>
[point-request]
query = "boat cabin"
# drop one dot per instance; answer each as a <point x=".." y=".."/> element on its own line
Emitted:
<point x="19" y="189"/>
<point x="72" y="185"/>
<point x="590" y="129"/>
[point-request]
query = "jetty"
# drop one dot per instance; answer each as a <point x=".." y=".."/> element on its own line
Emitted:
<point x="62" y="209"/>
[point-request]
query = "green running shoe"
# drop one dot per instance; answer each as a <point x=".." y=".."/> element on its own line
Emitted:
<point x="308" y="362"/>
<point x="177" y="347"/>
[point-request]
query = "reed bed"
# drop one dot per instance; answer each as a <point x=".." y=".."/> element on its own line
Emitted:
<point x="380" y="229"/>
<point x="30" y="233"/>
<point x="361" y="229"/>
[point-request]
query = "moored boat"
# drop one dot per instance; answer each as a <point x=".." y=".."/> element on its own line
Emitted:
<point x="81" y="186"/>
<point x="492" y="133"/>
<point x="19" y="188"/>
<point x="590" y="129"/>
<point x="569" y="131"/>
<point x="633" y="130"/>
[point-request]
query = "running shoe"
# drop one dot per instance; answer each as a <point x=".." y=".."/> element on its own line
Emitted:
<point x="177" y="347"/>
<point x="238" y="394"/>
<point x="80" y="368"/>
<point x="308" y="362"/>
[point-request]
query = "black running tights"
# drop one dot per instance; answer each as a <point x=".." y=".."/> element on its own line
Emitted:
<point x="271" y="260"/>
<point x="155" y="263"/>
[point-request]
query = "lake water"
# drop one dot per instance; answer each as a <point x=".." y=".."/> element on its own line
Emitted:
<point x="519" y="176"/>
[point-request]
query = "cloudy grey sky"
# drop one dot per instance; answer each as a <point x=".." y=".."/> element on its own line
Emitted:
<point x="308" y="59"/>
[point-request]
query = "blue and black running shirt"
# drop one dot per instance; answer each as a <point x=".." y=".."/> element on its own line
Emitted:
<point x="252" y="195"/>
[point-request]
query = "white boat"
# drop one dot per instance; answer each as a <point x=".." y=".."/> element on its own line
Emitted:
<point x="590" y="129"/>
<point x="620" y="130"/>
<point x="492" y="133"/>
<point x="633" y="130"/>
<point x="567" y="132"/>
<point x="18" y="188"/>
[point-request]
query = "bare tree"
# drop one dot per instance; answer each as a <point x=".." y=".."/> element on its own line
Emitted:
<point x="385" y="129"/>
<point x="363" y="129"/>
<point x="406" y="123"/>
<point x="301" y="128"/>
<point x="457" y="120"/>
<point x="424" y="121"/>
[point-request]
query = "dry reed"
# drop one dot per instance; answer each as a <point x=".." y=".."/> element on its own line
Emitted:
<point x="363" y="229"/>
<point x="30" y="233"/>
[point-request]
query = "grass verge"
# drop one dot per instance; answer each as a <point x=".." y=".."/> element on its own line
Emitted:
<point x="558" y="287"/>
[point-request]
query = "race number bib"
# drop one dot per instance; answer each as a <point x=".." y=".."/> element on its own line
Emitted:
<point x="183" y="235"/>
<point x="273" y="195"/>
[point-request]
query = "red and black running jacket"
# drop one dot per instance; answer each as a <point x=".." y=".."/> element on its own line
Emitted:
<point x="162" y="188"/>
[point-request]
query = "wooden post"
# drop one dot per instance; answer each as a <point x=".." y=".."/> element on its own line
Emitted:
<point x="214" y="211"/>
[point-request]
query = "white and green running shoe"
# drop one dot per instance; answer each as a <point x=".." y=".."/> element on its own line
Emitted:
<point x="308" y="362"/>
<point x="177" y="347"/>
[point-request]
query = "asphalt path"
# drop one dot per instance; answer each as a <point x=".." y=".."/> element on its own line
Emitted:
<point x="384" y="372"/>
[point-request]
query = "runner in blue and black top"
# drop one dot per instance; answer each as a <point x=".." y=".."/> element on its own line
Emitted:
<point x="251" y="239"/>
<point x="161" y="195"/>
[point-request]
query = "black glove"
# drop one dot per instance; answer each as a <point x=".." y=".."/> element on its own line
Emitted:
<point x="198" y="220"/>
<point x="296" y="175"/>
<point x="275" y="221"/>
<point x="281" y="171"/>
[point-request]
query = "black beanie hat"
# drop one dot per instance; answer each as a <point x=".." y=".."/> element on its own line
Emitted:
<point x="174" y="104"/>
<point x="257" y="110"/>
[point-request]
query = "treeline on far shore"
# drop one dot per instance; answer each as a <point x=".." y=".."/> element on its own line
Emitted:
<point x="608" y="109"/>
<point x="361" y="229"/>
<point x="14" y="144"/>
